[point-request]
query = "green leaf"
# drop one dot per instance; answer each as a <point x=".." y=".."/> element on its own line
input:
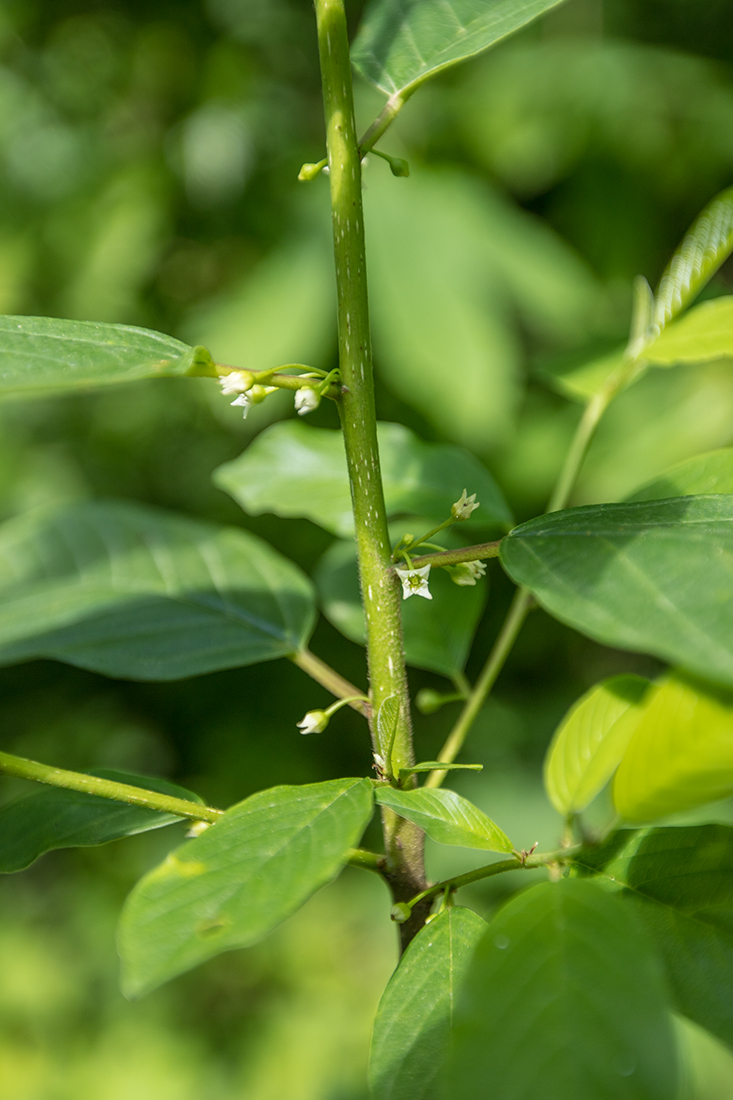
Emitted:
<point x="681" y="883"/>
<point x="705" y="247"/>
<point x="412" y="1027"/>
<point x="56" y="818"/>
<point x="590" y="741"/>
<point x="240" y="878"/>
<point x="438" y="632"/>
<point x="39" y="354"/>
<point x="579" y="378"/>
<point x="681" y="752"/>
<point x="137" y="593"/>
<point x="563" y="1000"/>
<point x="653" y="577"/>
<point x="402" y="42"/>
<point x="292" y="469"/>
<point x="388" y="717"/>
<point x="704" y="333"/>
<point x="698" y="476"/>
<point x="445" y="817"/>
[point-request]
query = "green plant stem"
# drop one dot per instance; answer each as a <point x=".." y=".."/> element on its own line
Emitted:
<point x="105" y="788"/>
<point x="379" y="586"/>
<point x="480" y="552"/>
<point x="331" y="680"/>
<point x="370" y="861"/>
<point x="592" y="414"/>
<point x="384" y="119"/>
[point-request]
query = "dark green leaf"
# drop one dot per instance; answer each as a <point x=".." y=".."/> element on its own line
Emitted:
<point x="655" y="577"/>
<point x="240" y="878"/>
<point x="590" y="741"/>
<point x="563" y="1000"/>
<point x="57" y="818"/>
<point x="446" y="817"/>
<point x="292" y="469"/>
<point x="402" y="42"/>
<point x="703" y="474"/>
<point x="438" y="632"/>
<point x="411" y="1031"/>
<point x="38" y="354"/>
<point x="138" y="593"/>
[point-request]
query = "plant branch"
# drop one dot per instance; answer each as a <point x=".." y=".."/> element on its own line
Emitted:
<point x="105" y="788"/>
<point x="327" y="677"/>
<point x="370" y="861"/>
<point x="384" y="119"/>
<point x="480" y="551"/>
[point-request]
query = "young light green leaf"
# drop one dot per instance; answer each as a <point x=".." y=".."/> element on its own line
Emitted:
<point x="706" y="246"/>
<point x="580" y="377"/>
<point x="292" y="469"/>
<point x="403" y="42"/>
<point x="142" y="594"/>
<point x="681" y="752"/>
<point x="388" y="717"/>
<point x="680" y="882"/>
<point x="239" y="879"/>
<point x="412" y="1027"/>
<point x="438" y="632"/>
<point x="564" y="1000"/>
<point x="57" y="818"/>
<point x="445" y="817"/>
<point x="590" y="741"/>
<point x="698" y="476"/>
<point x="653" y="577"/>
<point x="704" y="333"/>
<point x="41" y="354"/>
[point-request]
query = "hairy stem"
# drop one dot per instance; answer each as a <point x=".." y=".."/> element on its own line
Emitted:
<point x="480" y="552"/>
<point x="105" y="788"/>
<point x="327" y="677"/>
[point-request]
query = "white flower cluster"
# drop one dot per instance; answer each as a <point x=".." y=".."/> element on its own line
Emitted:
<point x="248" y="392"/>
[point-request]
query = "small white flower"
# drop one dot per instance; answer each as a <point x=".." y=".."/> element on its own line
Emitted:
<point x="306" y="400"/>
<point x="464" y="506"/>
<point x="315" y="721"/>
<point x="245" y="401"/>
<point x="415" y="582"/>
<point x="467" y="572"/>
<point x="237" y="381"/>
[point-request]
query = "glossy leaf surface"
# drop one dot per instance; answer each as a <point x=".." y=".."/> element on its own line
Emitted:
<point x="564" y="1000"/>
<point x="681" y="752"/>
<point x="655" y="577"/>
<point x="237" y="881"/>
<point x="57" y="818"/>
<point x="412" y="1026"/>
<point x="39" y="354"/>
<point x="292" y="469"/>
<point x="706" y="332"/>
<point x="438" y="632"/>
<point x="590" y="741"/>
<point x="138" y="593"/>
<point x="445" y="817"/>
<point x="402" y="42"/>
<point x="698" y="476"/>
<point x="705" y="247"/>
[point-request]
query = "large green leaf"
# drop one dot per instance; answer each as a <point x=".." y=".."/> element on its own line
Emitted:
<point x="402" y="42"/>
<point x="292" y="469"/>
<point x="57" y="818"/>
<point x="590" y="741"/>
<point x="705" y="247"/>
<point x="240" y="878"/>
<point x="706" y="332"/>
<point x="681" y="881"/>
<point x="681" y="751"/>
<point x="39" y="354"/>
<point x="446" y="817"/>
<point x="138" y="593"/>
<point x="563" y="1000"/>
<point x="438" y="632"/>
<point x="412" y="1027"/>
<point x="655" y="577"/>
<point x="703" y="474"/>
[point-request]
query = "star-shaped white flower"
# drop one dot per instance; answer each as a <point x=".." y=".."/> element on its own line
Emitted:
<point x="468" y="572"/>
<point x="415" y="582"/>
<point x="464" y="506"/>
<point x="245" y="401"/>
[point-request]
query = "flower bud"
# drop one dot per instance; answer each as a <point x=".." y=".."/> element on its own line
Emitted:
<point x="315" y="721"/>
<point x="466" y="573"/>
<point x="428" y="701"/>
<point x="400" y="912"/>
<point x="237" y="381"/>
<point x="306" y="400"/>
<point x="463" y="507"/>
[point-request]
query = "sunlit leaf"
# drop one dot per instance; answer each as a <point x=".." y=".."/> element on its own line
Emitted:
<point x="411" y="1030"/>
<point x="590" y="742"/>
<point x="438" y="632"/>
<point x="402" y="42"/>
<point x="293" y="469"/>
<point x="698" y="476"/>
<point x="653" y="577"/>
<point x="706" y="332"/>
<point x="137" y="593"/>
<point x="563" y="999"/>
<point x="41" y="354"/>
<point x="705" y="247"/>
<point x="57" y="818"/>
<point x="681" y="752"/>
<point x="236" y="882"/>
<point x="446" y="817"/>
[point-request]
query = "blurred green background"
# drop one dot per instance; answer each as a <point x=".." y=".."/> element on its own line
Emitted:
<point x="148" y="164"/>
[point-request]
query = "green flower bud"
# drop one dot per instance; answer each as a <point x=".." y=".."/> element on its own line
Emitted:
<point x="400" y="912"/>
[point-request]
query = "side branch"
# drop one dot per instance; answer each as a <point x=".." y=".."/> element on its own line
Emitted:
<point x="480" y="551"/>
<point x="327" y="677"/>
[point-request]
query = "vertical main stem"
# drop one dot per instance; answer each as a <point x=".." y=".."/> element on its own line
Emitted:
<point x="380" y="590"/>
